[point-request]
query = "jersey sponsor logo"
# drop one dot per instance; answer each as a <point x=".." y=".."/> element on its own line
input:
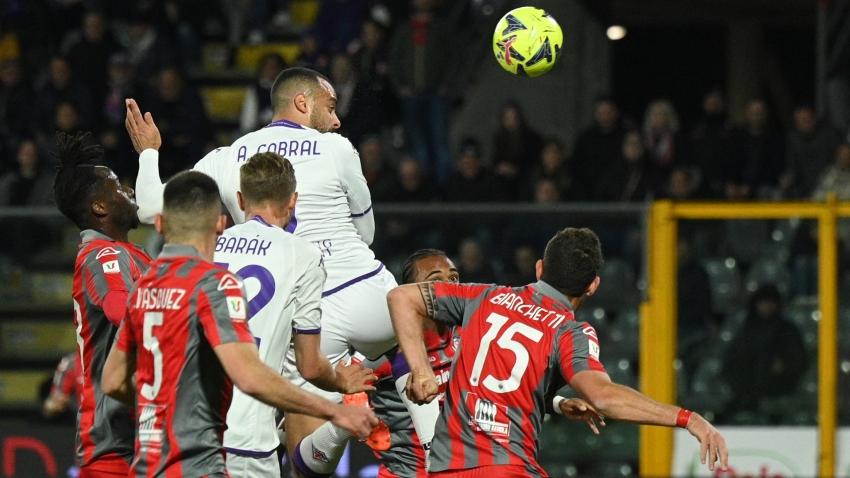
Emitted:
<point x="593" y="349"/>
<point x="111" y="267"/>
<point x="489" y="417"/>
<point x="229" y="282"/>
<point x="107" y="251"/>
<point x="236" y="308"/>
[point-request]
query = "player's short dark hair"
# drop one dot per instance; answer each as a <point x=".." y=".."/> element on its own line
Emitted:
<point x="291" y="77"/>
<point x="408" y="270"/>
<point x="267" y="177"/>
<point x="190" y="205"/>
<point x="572" y="260"/>
<point x="76" y="182"/>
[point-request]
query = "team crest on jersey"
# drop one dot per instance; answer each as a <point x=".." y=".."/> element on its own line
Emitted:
<point x="228" y="282"/>
<point x="488" y="417"/>
<point x="236" y="308"/>
<point x="111" y="267"/>
<point x="107" y="251"/>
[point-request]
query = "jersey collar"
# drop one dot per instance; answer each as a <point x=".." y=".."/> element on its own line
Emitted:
<point x="88" y="235"/>
<point x="178" y="250"/>
<point x="552" y="292"/>
<point x="285" y="123"/>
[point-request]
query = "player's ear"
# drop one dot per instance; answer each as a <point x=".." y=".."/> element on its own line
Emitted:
<point x="99" y="208"/>
<point x="538" y="269"/>
<point x="591" y="289"/>
<point x="159" y="223"/>
<point x="220" y="225"/>
<point x="301" y="103"/>
<point x="241" y="199"/>
<point x="292" y="200"/>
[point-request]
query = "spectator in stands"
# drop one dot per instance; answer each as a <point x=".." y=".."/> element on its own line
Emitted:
<point x="67" y="118"/>
<point x="661" y="139"/>
<point x="767" y="357"/>
<point x="88" y="51"/>
<point x="472" y="264"/>
<point x="710" y="147"/>
<point x="182" y="120"/>
<point x="61" y="87"/>
<point x="355" y="113"/>
<point x="546" y="192"/>
<point x="836" y="177"/>
<point x="411" y="184"/>
<point x="629" y="179"/>
<point x="369" y="55"/>
<point x="338" y="23"/>
<point x="521" y="269"/>
<point x="148" y="50"/>
<point x="471" y="181"/>
<point x="379" y="175"/>
<point x="695" y="312"/>
<point x="515" y="146"/>
<point x="757" y="155"/>
<point x="257" y="108"/>
<point x="311" y="56"/>
<point x="16" y="102"/>
<point x="421" y="60"/>
<point x="30" y="184"/>
<point x="598" y="147"/>
<point x="811" y="149"/>
<point x="553" y="166"/>
<point x="682" y="184"/>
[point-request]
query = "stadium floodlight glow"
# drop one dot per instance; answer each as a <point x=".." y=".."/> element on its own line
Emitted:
<point x="616" y="32"/>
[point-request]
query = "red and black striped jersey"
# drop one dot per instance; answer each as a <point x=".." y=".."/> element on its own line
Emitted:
<point x="179" y="311"/>
<point x="68" y="378"/>
<point x="103" y="266"/>
<point x="517" y="345"/>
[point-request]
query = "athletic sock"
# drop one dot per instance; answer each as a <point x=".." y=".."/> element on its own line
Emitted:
<point x="319" y="453"/>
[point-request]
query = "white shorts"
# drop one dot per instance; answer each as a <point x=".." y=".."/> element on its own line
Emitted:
<point x="239" y="466"/>
<point x="353" y="317"/>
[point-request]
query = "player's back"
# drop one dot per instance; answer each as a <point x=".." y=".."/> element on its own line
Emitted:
<point x="514" y="342"/>
<point x="276" y="268"/>
<point x="326" y="168"/>
<point x="182" y="390"/>
<point x="105" y="426"/>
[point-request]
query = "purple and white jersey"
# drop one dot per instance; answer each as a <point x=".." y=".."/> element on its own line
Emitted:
<point x="283" y="278"/>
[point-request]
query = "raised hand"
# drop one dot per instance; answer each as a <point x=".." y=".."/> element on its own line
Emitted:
<point x="354" y="378"/>
<point x="578" y="409"/>
<point x="142" y="130"/>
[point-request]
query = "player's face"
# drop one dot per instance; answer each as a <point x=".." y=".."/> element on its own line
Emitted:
<point x="121" y="199"/>
<point x="436" y="268"/>
<point x="323" y="116"/>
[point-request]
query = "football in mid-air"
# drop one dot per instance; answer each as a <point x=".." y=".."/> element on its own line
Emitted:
<point x="527" y="41"/>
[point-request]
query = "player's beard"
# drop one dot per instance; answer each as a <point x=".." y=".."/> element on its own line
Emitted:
<point x="317" y="124"/>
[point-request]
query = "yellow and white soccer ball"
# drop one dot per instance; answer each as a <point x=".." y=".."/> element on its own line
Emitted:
<point x="527" y="41"/>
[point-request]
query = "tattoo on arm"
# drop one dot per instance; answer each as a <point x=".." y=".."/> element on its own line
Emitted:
<point x="427" y="291"/>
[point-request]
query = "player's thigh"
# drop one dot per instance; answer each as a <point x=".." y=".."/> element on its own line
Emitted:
<point x="359" y="313"/>
<point x="250" y="467"/>
<point x="298" y="426"/>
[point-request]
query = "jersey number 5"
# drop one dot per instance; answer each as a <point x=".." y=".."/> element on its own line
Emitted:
<point x="506" y="341"/>
<point x="151" y="344"/>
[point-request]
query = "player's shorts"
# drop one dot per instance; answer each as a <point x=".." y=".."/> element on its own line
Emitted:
<point x="353" y="316"/>
<point x="106" y="466"/>
<point x="239" y="466"/>
<point x="491" y="471"/>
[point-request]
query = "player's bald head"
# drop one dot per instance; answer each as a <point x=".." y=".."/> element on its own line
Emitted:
<point x="294" y="81"/>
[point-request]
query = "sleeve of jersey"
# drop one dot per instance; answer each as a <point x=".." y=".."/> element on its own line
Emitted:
<point x="223" y="310"/>
<point x="111" y="274"/>
<point x="357" y="191"/>
<point x="449" y="301"/>
<point x="578" y="350"/>
<point x="124" y="339"/>
<point x="149" y="186"/>
<point x="63" y="376"/>
<point x="307" y="318"/>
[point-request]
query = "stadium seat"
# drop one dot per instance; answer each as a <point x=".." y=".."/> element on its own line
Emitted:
<point x="248" y="56"/>
<point x="50" y="289"/>
<point x="725" y="283"/>
<point x="36" y="339"/>
<point x="223" y="102"/>
<point x="20" y="389"/>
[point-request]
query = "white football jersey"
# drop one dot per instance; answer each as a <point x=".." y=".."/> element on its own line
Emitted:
<point x="284" y="279"/>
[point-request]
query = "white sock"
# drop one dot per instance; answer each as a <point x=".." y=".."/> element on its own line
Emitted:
<point x="424" y="416"/>
<point x="321" y="451"/>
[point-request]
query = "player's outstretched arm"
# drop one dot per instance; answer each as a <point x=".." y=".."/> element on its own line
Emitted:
<point x="254" y="378"/>
<point x="116" y="379"/>
<point x="316" y="369"/>
<point x="146" y="141"/>
<point x="409" y="311"/>
<point x="579" y="410"/>
<point x="623" y="403"/>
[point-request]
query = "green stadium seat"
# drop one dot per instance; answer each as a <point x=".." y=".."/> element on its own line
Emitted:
<point x="223" y="102"/>
<point x="248" y="56"/>
<point x="20" y="389"/>
<point x="36" y="339"/>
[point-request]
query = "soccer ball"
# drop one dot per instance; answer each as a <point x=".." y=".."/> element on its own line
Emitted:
<point x="527" y="41"/>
